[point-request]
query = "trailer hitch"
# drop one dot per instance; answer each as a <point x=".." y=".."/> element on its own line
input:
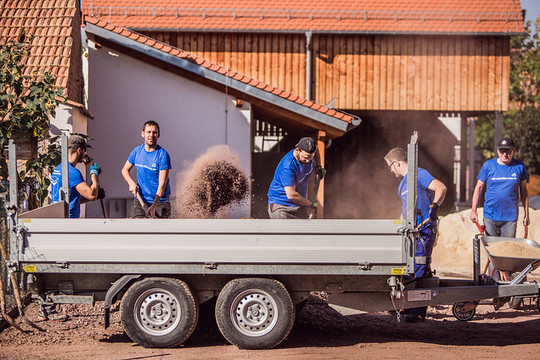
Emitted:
<point x="396" y="288"/>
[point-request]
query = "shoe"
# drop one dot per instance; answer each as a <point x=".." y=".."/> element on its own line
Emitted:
<point x="414" y="318"/>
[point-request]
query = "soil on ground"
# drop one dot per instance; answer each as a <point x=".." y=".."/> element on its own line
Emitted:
<point x="319" y="333"/>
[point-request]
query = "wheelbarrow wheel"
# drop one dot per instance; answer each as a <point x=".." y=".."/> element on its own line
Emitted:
<point x="464" y="311"/>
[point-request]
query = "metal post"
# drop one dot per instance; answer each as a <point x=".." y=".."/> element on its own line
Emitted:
<point x="412" y="190"/>
<point x="12" y="207"/>
<point x="463" y="195"/>
<point x="308" y="65"/>
<point x="64" y="191"/>
<point x="476" y="260"/>
<point x="498" y="131"/>
<point x="412" y="180"/>
<point x="13" y="176"/>
<point x="472" y="175"/>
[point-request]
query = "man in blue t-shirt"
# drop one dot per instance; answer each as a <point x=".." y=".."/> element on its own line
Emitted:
<point x="79" y="191"/>
<point x="153" y="164"/>
<point x="431" y="194"/>
<point x="504" y="180"/>
<point x="287" y="195"/>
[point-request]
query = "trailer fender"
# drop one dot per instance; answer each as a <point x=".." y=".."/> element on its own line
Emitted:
<point x="113" y="290"/>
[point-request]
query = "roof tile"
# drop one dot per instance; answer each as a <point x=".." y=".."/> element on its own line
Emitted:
<point x="469" y="16"/>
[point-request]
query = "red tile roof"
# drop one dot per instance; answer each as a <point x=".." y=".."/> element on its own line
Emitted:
<point x="51" y="23"/>
<point x="219" y="69"/>
<point x="431" y="16"/>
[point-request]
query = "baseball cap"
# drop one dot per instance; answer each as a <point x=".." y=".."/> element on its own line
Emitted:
<point x="506" y="143"/>
<point x="307" y="144"/>
<point x="77" y="141"/>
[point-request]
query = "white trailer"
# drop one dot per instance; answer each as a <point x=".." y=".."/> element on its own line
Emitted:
<point x="259" y="270"/>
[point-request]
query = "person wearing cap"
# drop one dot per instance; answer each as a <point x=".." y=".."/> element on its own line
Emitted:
<point x="504" y="180"/>
<point x="153" y="165"/>
<point x="79" y="191"/>
<point x="431" y="194"/>
<point x="288" y="191"/>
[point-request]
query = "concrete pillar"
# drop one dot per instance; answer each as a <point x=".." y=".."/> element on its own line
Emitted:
<point x="498" y="131"/>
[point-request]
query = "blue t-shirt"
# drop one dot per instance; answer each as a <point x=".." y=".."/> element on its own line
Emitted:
<point x="289" y="172"/>
<point x="148" y="165"/>
<point x="424" y="199"/>
<point x="502" y="184"/>
<point x="75" y="178"/>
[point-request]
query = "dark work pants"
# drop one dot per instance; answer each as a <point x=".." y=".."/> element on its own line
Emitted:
<point x="163" y="210"/>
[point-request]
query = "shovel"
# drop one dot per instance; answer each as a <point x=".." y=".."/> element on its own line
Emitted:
<point x="6" y="317"/>
<point x="17" y="293"/>
<point x="143" y="205"/>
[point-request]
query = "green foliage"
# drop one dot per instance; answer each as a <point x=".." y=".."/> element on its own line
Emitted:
<point x="26" y="105"/>
<point x="526" y="133"/>
<point x="522" y="121"/>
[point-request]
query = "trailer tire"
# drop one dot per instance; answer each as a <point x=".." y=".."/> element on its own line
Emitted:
<point x="254" y="313"/>
<point x="463" y="311"/>
<point x="159" y="312"/>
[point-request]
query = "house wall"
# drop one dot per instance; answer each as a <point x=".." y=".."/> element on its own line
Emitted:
<point x="125" y="92"/>
<point x="367" y="72"/>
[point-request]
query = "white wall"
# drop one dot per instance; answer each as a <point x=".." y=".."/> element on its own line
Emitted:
<point x="125" y="92"/>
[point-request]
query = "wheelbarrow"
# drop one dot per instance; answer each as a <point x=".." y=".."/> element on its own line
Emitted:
<point x="504" y="264"/>
<point x="509" y="264"/>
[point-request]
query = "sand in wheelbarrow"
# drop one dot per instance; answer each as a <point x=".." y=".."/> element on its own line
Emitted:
<point x="514" y="249"/>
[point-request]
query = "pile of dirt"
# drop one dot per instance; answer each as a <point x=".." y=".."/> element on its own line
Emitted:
<point x="213" y="182"/>
<point x="453" y="251"/>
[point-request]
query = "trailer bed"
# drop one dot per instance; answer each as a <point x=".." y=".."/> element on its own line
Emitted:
<point x="108" y="244"/>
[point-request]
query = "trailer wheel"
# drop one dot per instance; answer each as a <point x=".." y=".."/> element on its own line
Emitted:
<point x="254" y="313"/>
<point x="464" y="311"/>
<point x="159" y="312"/>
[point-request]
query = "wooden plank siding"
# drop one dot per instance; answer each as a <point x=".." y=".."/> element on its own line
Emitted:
<point x="368" y="71"/>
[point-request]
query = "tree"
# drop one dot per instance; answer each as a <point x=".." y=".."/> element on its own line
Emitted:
<point x="525" y="96"/>
<point x="26" y="105"/>
<point x="522" y="120"/>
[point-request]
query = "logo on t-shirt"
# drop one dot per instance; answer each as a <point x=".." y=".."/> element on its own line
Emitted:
<point x="154" y="165"/>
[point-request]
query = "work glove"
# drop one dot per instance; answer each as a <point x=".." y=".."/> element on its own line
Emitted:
<point x="95" y="169"/>
<point x="101" y="193"/>
<point x="314" y="203"/>
<point x="320" y="171"/>
<point x="433" y="211"/>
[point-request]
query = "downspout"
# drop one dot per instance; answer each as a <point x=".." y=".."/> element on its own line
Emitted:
<point x="308" y="65"/>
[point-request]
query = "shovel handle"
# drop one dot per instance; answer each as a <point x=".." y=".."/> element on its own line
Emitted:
<point x="143" y="205"/>
<point x="104" y="209"/>
<point x="526" y="231"/>
<point x="481" y="228"/>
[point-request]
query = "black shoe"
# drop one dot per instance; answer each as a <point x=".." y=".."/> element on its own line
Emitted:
<point x="414" y="318"/>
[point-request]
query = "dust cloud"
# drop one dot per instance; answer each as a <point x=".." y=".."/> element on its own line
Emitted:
<point x="212" y="186"/>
